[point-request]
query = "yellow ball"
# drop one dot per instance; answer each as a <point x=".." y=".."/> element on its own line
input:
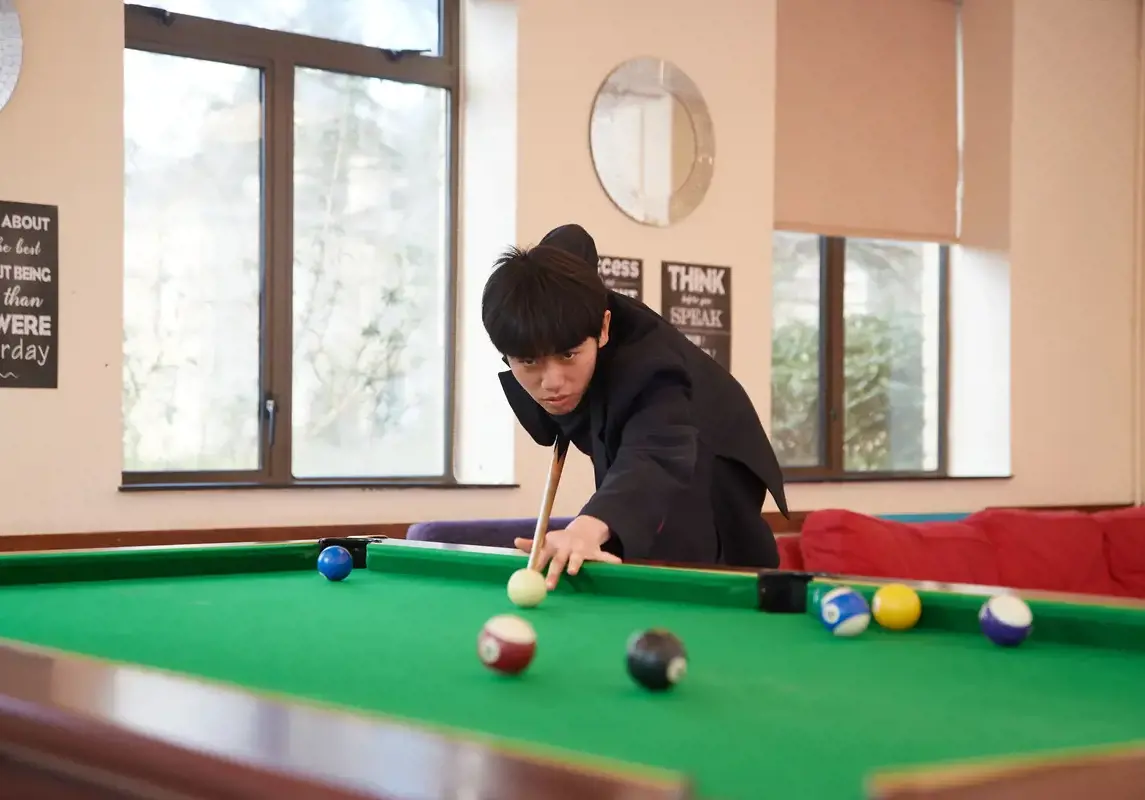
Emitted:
<point x="896" y="607"/>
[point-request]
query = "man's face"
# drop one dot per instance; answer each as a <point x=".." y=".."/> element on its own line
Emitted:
<point x="558" y="382"/>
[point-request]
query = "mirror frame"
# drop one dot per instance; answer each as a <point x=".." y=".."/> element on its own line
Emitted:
<point x="11" y="50"/>
<point x="647" y="74"/>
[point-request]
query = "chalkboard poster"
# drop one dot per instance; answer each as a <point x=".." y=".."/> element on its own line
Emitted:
<point x="696" y="299"/>
<point x="29" y="296"/>
<point x="623" y="275"/>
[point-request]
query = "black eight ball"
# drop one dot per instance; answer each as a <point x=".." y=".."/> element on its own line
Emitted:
<point x="656" y="659"/>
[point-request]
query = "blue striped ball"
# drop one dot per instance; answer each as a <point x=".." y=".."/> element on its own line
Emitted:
<point x="844" y="612"/>
<point x="1006" y="620"/>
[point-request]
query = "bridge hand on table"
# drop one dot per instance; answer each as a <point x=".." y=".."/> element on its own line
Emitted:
<point x="569" y="548"/>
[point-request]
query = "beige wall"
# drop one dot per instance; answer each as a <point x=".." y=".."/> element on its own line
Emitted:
<point x="1074" y="138"/>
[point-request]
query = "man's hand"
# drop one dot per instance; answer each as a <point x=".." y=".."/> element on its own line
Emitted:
<point x="579" y="542"/>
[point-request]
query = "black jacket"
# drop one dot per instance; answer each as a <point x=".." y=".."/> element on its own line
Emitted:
<point x="656" y="401"/>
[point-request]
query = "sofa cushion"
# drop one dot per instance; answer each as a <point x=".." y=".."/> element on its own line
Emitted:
<point x="844" y="542"/>
<point x="1125" y="547"/>
<point x="790" y="551"/>
<point x="1059" y="551"/>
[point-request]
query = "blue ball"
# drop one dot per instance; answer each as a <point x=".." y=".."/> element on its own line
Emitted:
<point x="1006" y="620"/>
<point x="844" y="612"/>
<point x="335" y="562"/>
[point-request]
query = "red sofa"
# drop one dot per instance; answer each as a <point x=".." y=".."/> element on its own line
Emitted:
<point x="1064" y="551"/>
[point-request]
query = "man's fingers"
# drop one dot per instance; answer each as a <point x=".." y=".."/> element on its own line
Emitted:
<point x="562" y="554"/>
<point x="595" y="555"/>
<point x="575" y="560"/>
<point x="546" y="553"/>
<point x="560" y="558"/>
<point x="527" y="546"/>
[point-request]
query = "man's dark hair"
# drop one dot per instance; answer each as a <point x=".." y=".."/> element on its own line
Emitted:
<point x="542" y="301"/>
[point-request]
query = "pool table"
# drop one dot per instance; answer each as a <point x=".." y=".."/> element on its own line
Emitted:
<point x="237" y="670"/>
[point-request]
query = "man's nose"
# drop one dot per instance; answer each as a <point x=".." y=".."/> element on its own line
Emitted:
<point x="552" y="379"/>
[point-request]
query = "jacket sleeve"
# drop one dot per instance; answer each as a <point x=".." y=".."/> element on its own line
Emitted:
<point x="654" y="463"/>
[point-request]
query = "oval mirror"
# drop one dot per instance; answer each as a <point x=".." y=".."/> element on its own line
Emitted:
<point x="651" y="140"/>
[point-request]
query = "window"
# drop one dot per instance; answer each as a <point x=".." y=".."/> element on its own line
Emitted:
<point x="290" y="172"/>
<point x="858" y="357"/>
<point x="394" y="24"/>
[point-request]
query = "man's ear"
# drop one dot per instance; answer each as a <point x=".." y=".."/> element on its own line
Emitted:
<point x="604" y="328"/>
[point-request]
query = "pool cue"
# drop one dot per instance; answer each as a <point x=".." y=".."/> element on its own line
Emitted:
<point x="560" y="450"/>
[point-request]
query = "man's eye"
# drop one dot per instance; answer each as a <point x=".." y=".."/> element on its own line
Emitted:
<point x="569" y="356"/>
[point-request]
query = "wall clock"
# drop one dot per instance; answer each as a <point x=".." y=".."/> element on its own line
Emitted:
<point x="11" y="50"/>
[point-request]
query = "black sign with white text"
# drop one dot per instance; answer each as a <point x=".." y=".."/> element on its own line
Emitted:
<point x="29" y="296"/>
<point x="623" y="275"/>
<point x="696" y="299"/>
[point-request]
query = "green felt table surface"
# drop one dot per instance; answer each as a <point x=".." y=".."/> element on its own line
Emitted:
<point x="772" y="703"/>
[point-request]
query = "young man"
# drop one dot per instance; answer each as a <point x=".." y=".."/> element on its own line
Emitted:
<point x="682" y="462"/>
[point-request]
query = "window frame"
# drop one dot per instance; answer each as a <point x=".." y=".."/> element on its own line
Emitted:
<point x="277" y="54"/>
<point x="832" y="275"/>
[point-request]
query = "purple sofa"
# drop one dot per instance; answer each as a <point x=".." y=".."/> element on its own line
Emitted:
<point x="483" y="532"/>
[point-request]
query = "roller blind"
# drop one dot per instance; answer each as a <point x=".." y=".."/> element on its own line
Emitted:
<point x="987" y="101"/>
<point x="867" y="118"/>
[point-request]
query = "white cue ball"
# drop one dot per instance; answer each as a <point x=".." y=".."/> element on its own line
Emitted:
<point x="527" y="588"/>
